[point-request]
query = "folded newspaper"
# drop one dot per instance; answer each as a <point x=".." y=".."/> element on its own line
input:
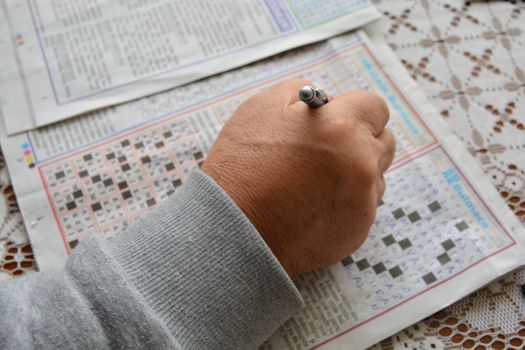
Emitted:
<point x="65" y="57"/>
<point x="441" y="230"/>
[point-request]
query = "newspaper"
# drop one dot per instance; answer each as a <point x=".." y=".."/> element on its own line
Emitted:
<point x="441" y="230"/>
<point x="65" y="57"/>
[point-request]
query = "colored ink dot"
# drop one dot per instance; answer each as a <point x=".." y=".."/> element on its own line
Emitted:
<point x="27" y="152"/>
<point x="19" y="39"/>
<point x="32" y="165"/>
<point x="25" y="146"/>
<point x="29" y="159"/>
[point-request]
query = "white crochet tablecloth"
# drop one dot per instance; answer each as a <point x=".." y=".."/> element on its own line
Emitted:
<point x="469" y="58"/>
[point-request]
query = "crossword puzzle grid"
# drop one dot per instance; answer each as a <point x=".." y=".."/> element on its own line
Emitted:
<point x="422" y="235"/>
<point x="104" y="189"/>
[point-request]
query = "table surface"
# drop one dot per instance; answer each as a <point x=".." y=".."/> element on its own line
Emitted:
<point x="469" y="58"/>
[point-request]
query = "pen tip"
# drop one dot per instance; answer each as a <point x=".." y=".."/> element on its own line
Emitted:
<point x="306" y="93"/>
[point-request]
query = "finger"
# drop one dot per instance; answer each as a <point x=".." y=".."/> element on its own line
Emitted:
<point x="387" y="145"/>
<point x="368" y="108"/>
<point x="288" y="91"/>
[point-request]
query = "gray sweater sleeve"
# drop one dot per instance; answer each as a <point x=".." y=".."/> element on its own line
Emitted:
<point x="192" y="274"/>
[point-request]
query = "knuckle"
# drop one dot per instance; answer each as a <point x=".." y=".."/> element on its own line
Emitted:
<point x="340" y="128"/>
<point x="377" y="102"/>
<point x="372" y="106"/>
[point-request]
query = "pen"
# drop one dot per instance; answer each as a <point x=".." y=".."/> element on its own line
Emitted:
<point x="313" y="97"/>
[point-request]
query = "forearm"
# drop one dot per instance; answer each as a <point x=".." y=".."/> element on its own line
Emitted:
<point x="89" y="305"/>
<point x="191" y="274"/>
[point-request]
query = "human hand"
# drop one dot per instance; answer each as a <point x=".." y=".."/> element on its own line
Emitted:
<point x="308" y="179"/>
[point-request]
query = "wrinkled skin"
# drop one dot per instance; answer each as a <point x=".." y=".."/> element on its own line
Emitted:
<point x="308" y="179"/>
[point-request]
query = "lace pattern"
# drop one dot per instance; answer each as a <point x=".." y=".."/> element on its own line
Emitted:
<point x="469" y="58"/>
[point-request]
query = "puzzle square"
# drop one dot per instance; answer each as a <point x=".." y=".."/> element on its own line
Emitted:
<point x="71" y="205"/>
<point x="444" y="258"/>
<point x="73" y="243"/>
<point x="347" y="261"/>
<point x="405" y="243"/>
<point x="197" y="155"/>
<point x="448" y="244"/>
<point x="414" y="216"/>
<point x="389" y="240"/>
<point x="395" y="271"/>
<point x="363" y="264"/>
<point x="429" y="278"/>
<point x="398" y="213"/>
<point x="379" y="268"/>
<point x="462" y="226"/>
<point x="96" y="206"/>
<point x="434" y="206"/>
